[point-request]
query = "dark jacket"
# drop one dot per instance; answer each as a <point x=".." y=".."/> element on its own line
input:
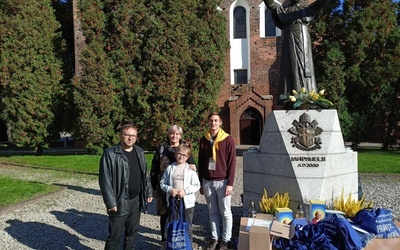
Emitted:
<point x="114" y="179"/>
<point x="163" y="157"/>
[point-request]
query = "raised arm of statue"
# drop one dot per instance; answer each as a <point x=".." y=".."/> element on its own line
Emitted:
<point x="269" y="3"/>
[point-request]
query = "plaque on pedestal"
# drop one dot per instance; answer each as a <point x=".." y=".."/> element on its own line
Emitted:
<point x="301" y="152"/>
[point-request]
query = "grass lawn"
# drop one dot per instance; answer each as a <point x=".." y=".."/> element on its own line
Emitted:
<point x="377" y="161"/>
<point x="68" y="163"/>
<point x="370" y="160"/>
<point x="14" y="191"/>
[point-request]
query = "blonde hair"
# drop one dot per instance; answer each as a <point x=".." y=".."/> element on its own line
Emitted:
<point x="184" y="148"/>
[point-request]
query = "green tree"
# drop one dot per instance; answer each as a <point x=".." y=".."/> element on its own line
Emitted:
<point x="95" y="92"/>
<point x="330" y="62"/>
<point x="30" y="70"/>
<point x="160" y="68"/>
<point x="362" y="77"/>
<point x="181" y="67"/>
<point x="206" y="76"/>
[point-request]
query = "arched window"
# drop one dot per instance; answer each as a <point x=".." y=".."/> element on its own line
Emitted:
<point x="239" y="24"/>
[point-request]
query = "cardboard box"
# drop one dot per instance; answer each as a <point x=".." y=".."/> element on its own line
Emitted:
<point x="317" y="210"/>
<point x="254" y="233"/>
<point x="259" y="238"/>
<point x="284" y="215"/>
<point x="256" y="237"/>
<point x="280" y="229"/>
<point x="384" y="244"/>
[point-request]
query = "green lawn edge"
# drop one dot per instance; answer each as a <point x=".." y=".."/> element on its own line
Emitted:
<point x="14" y="191"/>
<point x="370" y="161"/>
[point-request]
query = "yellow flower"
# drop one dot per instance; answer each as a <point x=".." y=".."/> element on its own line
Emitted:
<point x="303" y="90"/>
<point x="292" y="98"/>
<point x="322" y="92"/>
<point x="315" y="97"/>
<point x="312" y="93"/>
<point x="294" y="92"/>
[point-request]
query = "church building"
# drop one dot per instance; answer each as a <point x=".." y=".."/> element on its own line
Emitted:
<point x="252" y="69"/>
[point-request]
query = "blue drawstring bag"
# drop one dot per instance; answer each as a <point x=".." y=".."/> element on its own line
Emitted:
<point x="178" y="230"/>
<point x="340" y="231"/>
<point x="331" y="233"/>
<point x="310" y="236"/>
<point x="378" y="222"/>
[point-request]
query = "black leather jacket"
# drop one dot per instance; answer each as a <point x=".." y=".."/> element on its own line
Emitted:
<point x="114" y="179"/>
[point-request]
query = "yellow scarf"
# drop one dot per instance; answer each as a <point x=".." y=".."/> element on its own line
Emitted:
<point x="220" y="137"/>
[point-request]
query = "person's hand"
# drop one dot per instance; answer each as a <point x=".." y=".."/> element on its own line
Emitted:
<point x="149" y="199"/>
<point x="155" y="193"/>
<point x="113" y="209"/>
<point x="229" y="190"/>
<point x="174" y="192"/>
<point x="201" y="190"/>
<point x="193" y="167"/>
<point x="181" y="193"/>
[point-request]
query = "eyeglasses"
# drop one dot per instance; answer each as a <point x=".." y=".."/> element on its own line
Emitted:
<point x="130" y="136"/>
<point x="181" y="155"/>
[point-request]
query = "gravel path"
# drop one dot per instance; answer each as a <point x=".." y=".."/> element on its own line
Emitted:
<point x="76" y="217"/>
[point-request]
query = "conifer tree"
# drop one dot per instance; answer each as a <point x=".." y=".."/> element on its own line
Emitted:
<point x="95" y="94"/>
<point x="30" y="70"/>
<point x="163" y="61"/>
<point x="329" y="61"/>
<point x="366" y="35"/>
<point x="205" y="76"/>
<point x="154" y="99"/>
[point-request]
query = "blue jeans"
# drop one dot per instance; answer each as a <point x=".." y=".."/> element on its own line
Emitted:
<point x="219" y="208"/>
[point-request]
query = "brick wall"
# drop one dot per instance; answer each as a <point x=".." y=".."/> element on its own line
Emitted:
<point x="264" y="73"/>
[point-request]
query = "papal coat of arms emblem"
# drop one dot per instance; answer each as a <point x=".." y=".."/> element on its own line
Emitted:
<point x="306" y="132"/>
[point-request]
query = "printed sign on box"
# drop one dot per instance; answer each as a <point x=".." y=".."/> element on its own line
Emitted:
<point x="284" y="215"/>
<point x="317" y="212"/>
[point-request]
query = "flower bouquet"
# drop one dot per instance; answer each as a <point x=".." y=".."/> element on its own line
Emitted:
<point x="305" y="100"/>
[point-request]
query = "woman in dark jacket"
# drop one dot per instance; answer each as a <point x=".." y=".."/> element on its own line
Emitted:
<point x="164" y="156"/>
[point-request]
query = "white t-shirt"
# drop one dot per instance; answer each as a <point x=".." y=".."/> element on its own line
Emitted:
<point x="177" y="177"/>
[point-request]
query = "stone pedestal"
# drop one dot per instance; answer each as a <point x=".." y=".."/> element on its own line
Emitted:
<point x="303" y="153"/>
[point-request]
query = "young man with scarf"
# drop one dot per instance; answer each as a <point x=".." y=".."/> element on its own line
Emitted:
<point x="217" y="164"/>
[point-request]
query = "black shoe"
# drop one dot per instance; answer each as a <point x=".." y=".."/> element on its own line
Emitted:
<point x="212" y="245"/>
<point x="223" y="245"/>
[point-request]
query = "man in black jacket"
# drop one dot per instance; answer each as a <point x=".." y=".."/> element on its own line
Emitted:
<point x="125" y="185"/>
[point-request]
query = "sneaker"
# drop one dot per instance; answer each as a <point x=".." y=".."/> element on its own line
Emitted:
<point x="212" y="245"/>
<point x="223" y="245"/>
